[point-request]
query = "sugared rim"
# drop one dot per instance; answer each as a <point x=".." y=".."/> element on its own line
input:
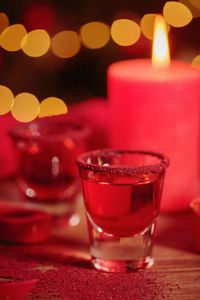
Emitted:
<point x="18" y="131"/>
<point x="157" y="168"/>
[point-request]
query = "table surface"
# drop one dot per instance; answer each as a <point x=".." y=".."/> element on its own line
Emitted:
<point x="62" y="266"/>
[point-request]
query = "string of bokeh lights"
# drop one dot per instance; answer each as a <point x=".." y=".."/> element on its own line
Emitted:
<point x="65" y="44"/>
<point x="25" y="107"/>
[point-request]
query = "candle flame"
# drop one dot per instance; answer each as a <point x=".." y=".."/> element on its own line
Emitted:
<point x="160" y="56"/>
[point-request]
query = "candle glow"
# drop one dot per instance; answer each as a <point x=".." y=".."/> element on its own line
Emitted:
<point x="160" y="55"/>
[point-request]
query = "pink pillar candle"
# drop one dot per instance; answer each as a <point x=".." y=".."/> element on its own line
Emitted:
<point x="158" y="110"/>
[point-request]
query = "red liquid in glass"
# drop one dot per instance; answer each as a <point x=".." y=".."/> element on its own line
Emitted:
<point x="48" y="172"/>
<point x="122" y="209"/>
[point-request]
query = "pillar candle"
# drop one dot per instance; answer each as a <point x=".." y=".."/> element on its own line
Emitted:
<point x="158" y="110"/>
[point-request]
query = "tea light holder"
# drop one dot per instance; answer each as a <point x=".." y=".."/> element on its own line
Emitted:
<point x="26" y="226"/>
<point x="16" y="290"/>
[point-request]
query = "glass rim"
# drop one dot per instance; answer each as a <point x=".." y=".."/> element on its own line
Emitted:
<point x="156" y="168"/>
<point x="17" y="132"/>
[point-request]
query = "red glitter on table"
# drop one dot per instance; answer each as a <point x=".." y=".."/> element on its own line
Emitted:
<point x="69" y="278"/>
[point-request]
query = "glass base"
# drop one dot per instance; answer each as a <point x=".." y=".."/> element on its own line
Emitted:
<point x="59" y="203"/>
<point x="121" y="266"/>
<point x="121" y="254"/>
<point x="59" y="211"/>
<point x="70" y="220"/>
<point x="63" y="213"/>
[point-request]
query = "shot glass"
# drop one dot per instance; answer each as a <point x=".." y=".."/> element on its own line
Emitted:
<point x="47" y="175"/>
<point x="122" y="193"/>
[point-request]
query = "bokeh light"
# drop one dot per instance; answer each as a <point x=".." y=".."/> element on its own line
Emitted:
<point x="11" y="37"/>
<point x="147" y="25"/>
<point x="193" y="5"/>
<point x="177" y="14"/>
<point x="125" y="32"/>
<point x="52" y="106"/>
<point x="95" y="35"/>
<point x="6" y="99"/>
<point x="196" y="62"/>
<point x="74" y="220"/>
<point x="36" y="43"/>
<point x="4" y="22"/>
<point x="25" y="108"/>
<point x="65" y="44"/>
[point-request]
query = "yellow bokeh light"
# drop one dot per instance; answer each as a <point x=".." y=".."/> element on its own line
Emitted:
<point x="6" y="100"/>
<point x="36" y="43"/>
<point x="125" y="32"/>
<point x="196" y="62"/>
<point x="4" y="22"/>
<point x="177" y="14"/>
<point x="95" y="35"/>
<point x="52" y="106"/>
<point x="147" y="25"/>
<point x="193" y="5"/>
<point x="25" y="108"/>
<point x="11" y="37"/>
<point x="65" y="44"/>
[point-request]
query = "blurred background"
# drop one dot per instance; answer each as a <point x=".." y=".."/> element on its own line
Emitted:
<point x="80" y="74"/>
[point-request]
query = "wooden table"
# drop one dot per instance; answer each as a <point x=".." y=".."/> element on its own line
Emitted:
<point x="174" y="275"/>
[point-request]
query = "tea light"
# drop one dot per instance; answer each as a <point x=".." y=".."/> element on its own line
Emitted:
<point x="156" y="107"/>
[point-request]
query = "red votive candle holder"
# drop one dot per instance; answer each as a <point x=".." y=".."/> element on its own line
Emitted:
<point x="16" y="290"/>
<point x="47" y="176"/>
<point x="26" y="226"/>
<point x="195" y="207"/>
<point x="122" y="194"/>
